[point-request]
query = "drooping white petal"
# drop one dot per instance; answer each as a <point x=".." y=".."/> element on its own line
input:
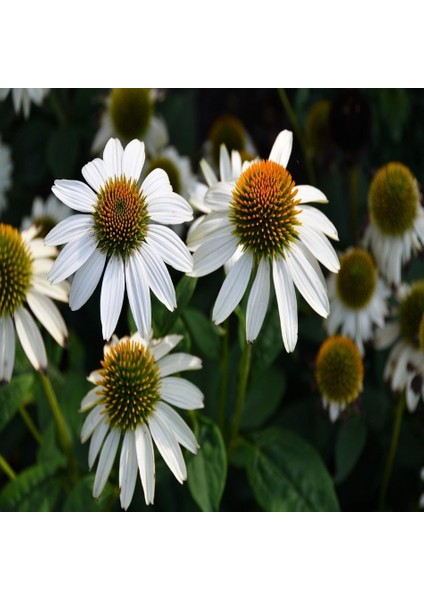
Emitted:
<point x="213" y="253"/>
<point x="86" y="279"/>
<point x="133" y="160"/>
<point x="318" y="220"/>
<point x="112" y="158"/>
<point x="71" y="228"/>
<point x="334" y="410"/>
<point x="308" y="193"/>
<point x="168" y="446"/>
<point x="48" y="314"/>
<point x="30" y="338"/>
<point x="91" y="421"/>
<point x="162" y="347"/>
<point x="160" y="281"/>
<point x="138" y="292"/>
<point x="208" y="173"/>
<point x="170" y="247"/>
<point x="156" y="182"/>
<point x="169" y="208"/>
<point x="224" y="163"/>
<point x="287" y="304"/>
<point x="75" y="194"/>
<point x="386" y="336"/>
<point x="233" y="288"/>
<point x="306" y="280"/>
<point x="281" y="150"/>
<point x="59" y="291"/>
<point x="180" y="361"/>
<point x="112" y="295"/>
<point x="91" y="398"/>
<point x="95" y="175"/>
<point x="146" y="461"/>
<point x="220" y="196"/>
<point x="107" y="456"/>
<point x="257" y="304"/>
<point x="320" y="247"/>
<point x="97" y="440"/>
<point x="204" y="228"/>
<point x="181" y="393"/>
<point x="71" y="258"/>
<point x="178" y="426"/>
<point x="128" y="469"/>
<point x="7" y="348"/>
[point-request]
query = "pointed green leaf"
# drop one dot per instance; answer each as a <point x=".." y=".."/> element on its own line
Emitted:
<point x="204" y="333"/>
<point x="350" y="443"/>
<point x="13" y="395"/>
<point x="34" y="489"/>
<point x="81" y="497"/>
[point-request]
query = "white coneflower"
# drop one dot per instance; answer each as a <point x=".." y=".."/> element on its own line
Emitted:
<point x="5" y="174"/>
<point x="131" y="402"/>
<point x="22" y="98"/>
<point x="396" y="229"/>
<point x="358" y="298"/>
<point x="339" y="374"/>
<point x="177" y="167"/>
<point x="46" y="214"/>
<point x="122" y="229"/>
<point x="24" y="264"/>
<point x="264" y="223"/>
<point x="227" y="130"/>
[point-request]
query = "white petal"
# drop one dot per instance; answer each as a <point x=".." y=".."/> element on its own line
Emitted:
<point x="213" y="253"/>
<point x="224" y="163"/>
<point x="178" y="426"/>
<point x="169" y="208"/>
<point x="386" y="336"/>
<point x="127" y="469"/>
<point x="318" y="220"/>
<point x="112" y="158"/>
<point x="208" y="173"/>
<point x="257" y="304"/>
<point x="86" y="279"/>
<point x="306" y="280"/>
<point x="156" y="182"/>
<point x="107" y="456"/>
<point x="181" y="393"/>
<point x="60" y="291"/>
<point x="7" y="349"/>
<point x="97" y="440"/>
<point x="91" y="422"/>
<point x="112" y="295"/>
<point x="206" y="227"/>
<point x="220" y="196"/>
<point x="180" y="361"/>
<point x="170" y="247"/>
<point x="287" y="304"/>
<point x="133" y="160"/>
<point x="281" y="150"/>
<point x="160" y="281"/>
<point x="320" y="247"/>
<point x="72" y="257"/>
<point x="138" y="291"/>
<point x="48" y="314"/>
<point x="146" y="461"/>
<point x="69" y="229"/>
<point x="308" y="193"/>
<point x="30" y="338"/>
<point x="91" y="398"/>
<point x="162" y="347"/>
<point x="334" y="410"/>
<point x="95" y="175"/>
<point x="168" y="447"/>
<point x="75" y="194"/>
<point x="233" y="288"/>
<point x="412" y="398"/>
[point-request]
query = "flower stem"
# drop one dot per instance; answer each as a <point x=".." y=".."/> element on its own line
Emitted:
<point x="224" y="367"/>
<point x="299" y="134"/>
<point x="6" y="468"/>
<point x="241" y="392"/>
<point x="31" y="425"/>
<point x="60" y="424"/>
<point x="400" y="409"/>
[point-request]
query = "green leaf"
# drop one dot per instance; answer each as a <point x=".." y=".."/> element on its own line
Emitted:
<point x="13" y="395"/>
<point x="165" y="319"/>
<point x="34" y="489"/>
<point x="287" y="474"/>
<point x="350" y="443"/>
<point x="204" y="333"/>
<point x="268" y="344"/>
<point x="207" y="470"/>
<point x="263" y="398"/>
<point x="81" y="497"/>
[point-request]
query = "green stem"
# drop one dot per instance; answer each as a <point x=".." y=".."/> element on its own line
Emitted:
<point x="241" y="392"/>
<point x="31" y="425"/>
<point x="299" y="134"/>
<point x="60" y="424"/>
<point x="6" y="468"/>
<point x="224" y="367"/>
<point x="400" y="409"/>
<point x="354" y="200"/>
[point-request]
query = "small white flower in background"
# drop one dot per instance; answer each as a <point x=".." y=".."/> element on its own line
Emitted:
<point x="128" y="115"/>
<point x="5" y="174"/>
<point x="358" y="298"/>
<point x="405" y="366"/>
<point x="22" y="98"/>
<point x="122" y="229"/>
<point x="46" y="214"/>
<point x="396" y="229"/>
<point x="263" y="225"/>
<point x="24" y="264"/>
<point x="177" y="167"/>
<point x="131" y="402"/>
<point x="229" y="131"/>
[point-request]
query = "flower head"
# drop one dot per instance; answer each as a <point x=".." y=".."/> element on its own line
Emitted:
<point x="134" y="389"/>
<point x="24" y="263"/>
<point x="122" y="228"/>
<point x="262" y="224"/>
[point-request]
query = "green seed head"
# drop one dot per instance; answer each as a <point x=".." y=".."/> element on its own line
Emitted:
<point x="318" y="127"/>
<point x="227" y="130"/>
<point x="130" y="111"/>
<point x="15" y="270"/>
<point x="393" y="199"/>
<point x="170" y="168"/>
<point x="411" y="311"/>
<point x="357" y="279"/>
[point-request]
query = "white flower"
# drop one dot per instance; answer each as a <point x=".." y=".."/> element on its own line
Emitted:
<point x="24" y="264"/>
<point x="122" y="228"/>
<point x="46" y="214"/>
<point x="176" y="166"/>
<point x="131" y="402"/>
<point x="5" y="174"/>
<point x="22" y="98"/>
<point x="264" y="224"/>
<point x="358" y="298"/>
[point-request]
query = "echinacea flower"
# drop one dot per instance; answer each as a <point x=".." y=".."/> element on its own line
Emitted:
<point x="264" y="224"/>
<point x="5" y="174"/>
<point x="22" y="98"/>
<point x="131" y="402"/>
<point x="122" y="229"/>
<point x="24" y="264"/>
<point x="177" y="167"/>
